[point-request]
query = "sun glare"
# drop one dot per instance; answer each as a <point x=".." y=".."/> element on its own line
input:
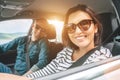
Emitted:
<point x="58" y="26"/>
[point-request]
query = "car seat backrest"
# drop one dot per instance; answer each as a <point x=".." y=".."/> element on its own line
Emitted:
<point x="54" y="49"/>
<point x="51" y="34"/>
<point x="114" y="46"/>
<point x="109" y="23"/>
<point x="54" y="46"/>
<point x="110" y="32"/>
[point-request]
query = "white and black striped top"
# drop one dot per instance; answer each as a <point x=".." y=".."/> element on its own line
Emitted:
<point x="63" y="61"/>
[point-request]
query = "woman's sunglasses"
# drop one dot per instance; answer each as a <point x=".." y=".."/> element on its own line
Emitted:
<point x="83" y="25"/>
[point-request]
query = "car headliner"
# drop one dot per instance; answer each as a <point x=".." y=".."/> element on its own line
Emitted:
<point x="50" y="8"/>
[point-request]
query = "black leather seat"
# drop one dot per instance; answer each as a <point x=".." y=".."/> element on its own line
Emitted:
<point x="54" y="46"/>
<point x="111" y="30"/>
<point x="109" y="23"/>
<point x="54" y="49"/>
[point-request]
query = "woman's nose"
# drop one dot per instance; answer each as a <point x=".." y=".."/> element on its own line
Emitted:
<point x="77" y="30"/>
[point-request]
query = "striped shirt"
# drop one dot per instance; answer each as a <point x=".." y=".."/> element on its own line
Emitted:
<point x="64" y="60"/>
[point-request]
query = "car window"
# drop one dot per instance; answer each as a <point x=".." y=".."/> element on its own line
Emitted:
<point x="58" y="26"/>
<point x="11" y="29"/>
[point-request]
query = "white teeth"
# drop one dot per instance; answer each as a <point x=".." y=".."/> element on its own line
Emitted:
<point x="80" y="37"/>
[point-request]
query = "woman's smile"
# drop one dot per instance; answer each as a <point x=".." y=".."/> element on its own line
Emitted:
<point x="80" y="38"/>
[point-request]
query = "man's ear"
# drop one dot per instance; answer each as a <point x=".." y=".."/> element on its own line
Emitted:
<point x="32" y="26"/>
<point x="34" y="23"/>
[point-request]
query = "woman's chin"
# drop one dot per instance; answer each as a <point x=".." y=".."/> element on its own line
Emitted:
<point x="82" y="45"/>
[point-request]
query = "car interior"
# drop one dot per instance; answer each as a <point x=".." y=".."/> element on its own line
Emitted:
<point x="108" y="12"/>
<point x="94" y="70"/>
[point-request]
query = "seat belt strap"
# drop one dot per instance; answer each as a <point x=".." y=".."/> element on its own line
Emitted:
<point x="27" y="54"/>
<point x="80" y="61"/>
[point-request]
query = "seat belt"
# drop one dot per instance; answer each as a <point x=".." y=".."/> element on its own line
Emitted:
<point x="83" y="58"/>
<point x="27" y="54"/>
<point x="27" y="61"/>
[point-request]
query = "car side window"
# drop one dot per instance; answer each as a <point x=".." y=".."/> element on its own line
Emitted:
<point x="11" y="29"/>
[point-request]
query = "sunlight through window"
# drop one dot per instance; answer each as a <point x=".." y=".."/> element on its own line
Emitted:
<point x="58" y="26"/>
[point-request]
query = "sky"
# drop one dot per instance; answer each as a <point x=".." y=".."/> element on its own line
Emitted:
<point x="13" y="26"/>
<point x="23" y="25"/>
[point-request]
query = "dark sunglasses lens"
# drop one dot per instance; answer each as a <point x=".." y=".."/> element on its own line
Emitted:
<point x="71" y="28"/>
<point x="39" y="27"/>
<point x="85" y="25"/>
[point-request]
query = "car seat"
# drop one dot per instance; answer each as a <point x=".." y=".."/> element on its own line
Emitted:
<point x="109" y="24"/>
<point x="54" y="46"/>
<point x="114" y="46"/>
<point x="111" y="32"/>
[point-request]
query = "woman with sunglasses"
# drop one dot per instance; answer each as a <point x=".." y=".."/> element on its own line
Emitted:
<point x="34" y="45"/>
<point x="81" y="34"/>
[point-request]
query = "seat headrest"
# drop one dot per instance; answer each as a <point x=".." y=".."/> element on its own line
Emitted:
<point x="49" y="28"/>
<point x="51" y="32"/>
<point x="109" y="24"/>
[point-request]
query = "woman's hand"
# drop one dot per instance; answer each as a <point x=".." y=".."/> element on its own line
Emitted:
<point x="6" y="76"/>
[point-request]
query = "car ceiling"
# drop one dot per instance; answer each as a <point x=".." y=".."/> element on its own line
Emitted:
<point x="47" y="8"/>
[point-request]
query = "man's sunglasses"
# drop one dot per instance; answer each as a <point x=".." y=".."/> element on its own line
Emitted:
<point x="39" y="27"/>
<point x="83" y="25"/>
